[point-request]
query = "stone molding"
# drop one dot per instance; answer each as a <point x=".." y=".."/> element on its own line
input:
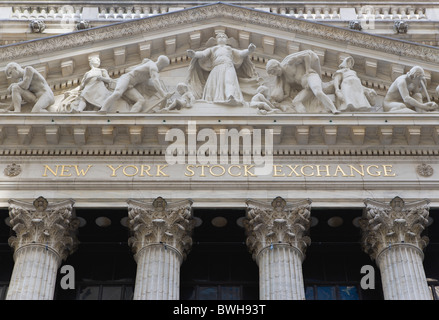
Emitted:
<point x="220" y="11"/>
<point x="160" y="223"/>
<point x="277" y="224"/>
<point x="397" y="223"/>
<point x="52" y="225"/>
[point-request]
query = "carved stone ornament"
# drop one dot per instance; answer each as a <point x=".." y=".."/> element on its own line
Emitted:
<point x="37" y="26"/>
<point x="424" y="170"/>
<point x="40" y="223"/>
<point x="400" y="26"/>
<point x="277" y="223"/>
<point x="355" y="25"/>
<point x="384" y="225"/>
<point x="161" y="223"/>
<point x="12" y="170"/>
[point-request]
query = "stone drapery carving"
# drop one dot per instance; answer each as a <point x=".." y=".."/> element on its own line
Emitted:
<point x="214" y="72"/>
<point x="392" y="235"/>
<point x="301" y="69"/>
<point x="350" y="93"/>
<point x="406" y="93"/>
<point x="29" y="86"/>
<point x="161" y="239"/>
<point x="277" y="238"/>
<point x="140" y="82"/>
<point x="92" y="91"/>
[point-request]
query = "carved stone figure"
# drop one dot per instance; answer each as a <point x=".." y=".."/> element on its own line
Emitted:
<point x="186" y="99"/>
<point x="301" y="69"/>
<point x="135" y="85"/>
<point x="93" y="88"/>
<point x="29" y="86"/>
<point x="406" y="93"/>
<point x="260" y="100"/>
<point x="350" y="93"/>
<point x="214" y="72"/>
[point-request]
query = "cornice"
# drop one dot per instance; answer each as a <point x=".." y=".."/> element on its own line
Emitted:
<point x="365" y="134"/>
<point x="222" y="12"/>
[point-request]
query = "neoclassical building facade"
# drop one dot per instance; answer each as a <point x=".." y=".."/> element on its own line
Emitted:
<point x="233" y="150"/>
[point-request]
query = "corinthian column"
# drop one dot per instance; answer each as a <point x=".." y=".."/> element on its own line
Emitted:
<point x="45" y="235"/>
<point x="161" y="239"/>
<point x="392" y="237"/>
<point x="277" y="240"/>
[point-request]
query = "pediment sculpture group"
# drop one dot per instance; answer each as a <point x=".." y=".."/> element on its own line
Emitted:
<point x="224" y="76"/>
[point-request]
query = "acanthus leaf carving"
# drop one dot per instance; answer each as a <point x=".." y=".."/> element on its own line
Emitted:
<point x="161" y="223"/>
<point x="277" y="223"/>
<point x="52" y="225"/>
<point x="385" y="225"/>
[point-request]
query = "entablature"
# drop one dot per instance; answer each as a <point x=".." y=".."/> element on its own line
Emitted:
<point x="314" y="135"/>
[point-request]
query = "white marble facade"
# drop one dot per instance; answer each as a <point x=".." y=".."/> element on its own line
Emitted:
<point x="352" y="115"/>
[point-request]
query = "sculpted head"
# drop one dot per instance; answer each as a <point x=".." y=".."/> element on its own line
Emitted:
<point x="348" y="62"/>
<point x="182" y="88"/>
<point x="273" y="68"/>
<point x="162" y="62"/>
<point x="221" y="37"/>
<point x="94" y="61"/>
<point x="13" y="70"/>
<point x="416" y="72"/>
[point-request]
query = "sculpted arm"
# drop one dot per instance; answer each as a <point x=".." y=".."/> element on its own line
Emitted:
<point x="405" y="94"/>
<point x="27" y="78"/>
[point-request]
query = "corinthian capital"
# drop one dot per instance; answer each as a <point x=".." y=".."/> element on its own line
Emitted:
<point x="277" y="223"/>
<point x="161" y="223"/>
<point x="384" y="225"/>
<point x="52" y="225"/>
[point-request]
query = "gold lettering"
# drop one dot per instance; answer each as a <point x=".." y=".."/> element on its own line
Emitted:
<point x="217" y="166"/>
<point x="341" y="170"/>
<point x="278" y="170"/>
<point x="202" y="169"/>
<point x="320" y="170"/>
<point x="82" y="172"/>
<point x="247" y="172"/>
<point x="376" y="174"/>
<point x="189" y="168"/>
<point x="114" y="170"/>
<point x="355" y="169"/>
<point x="64" y="170"/>
<point x="388" y="171"/>
<point x="307" y="166"/>
<point x="46" y="167"/>
<point x="159" y="170"/>
<point x="229" y="170"/>
<point x="293" y="170"/>
<point x="143" y="170"/>
<point x="130" y="174"/>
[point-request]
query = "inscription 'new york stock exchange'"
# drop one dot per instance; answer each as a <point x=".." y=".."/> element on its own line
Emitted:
<point x="218" y="170"/>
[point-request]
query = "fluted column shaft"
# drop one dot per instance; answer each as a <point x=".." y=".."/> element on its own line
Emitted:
<point x="34" y="274"/>
<point x="158" y="273"/>
<point x="161" y="239"/>
<point x="45" y="236"/>
<point x="402" y="273"/>
<point x="280" y="273"/>
<point x="277" y="238"/>
<point x="392" y="237"/>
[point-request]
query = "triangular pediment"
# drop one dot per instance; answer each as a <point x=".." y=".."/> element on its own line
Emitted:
<point x="63" y="59"/>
